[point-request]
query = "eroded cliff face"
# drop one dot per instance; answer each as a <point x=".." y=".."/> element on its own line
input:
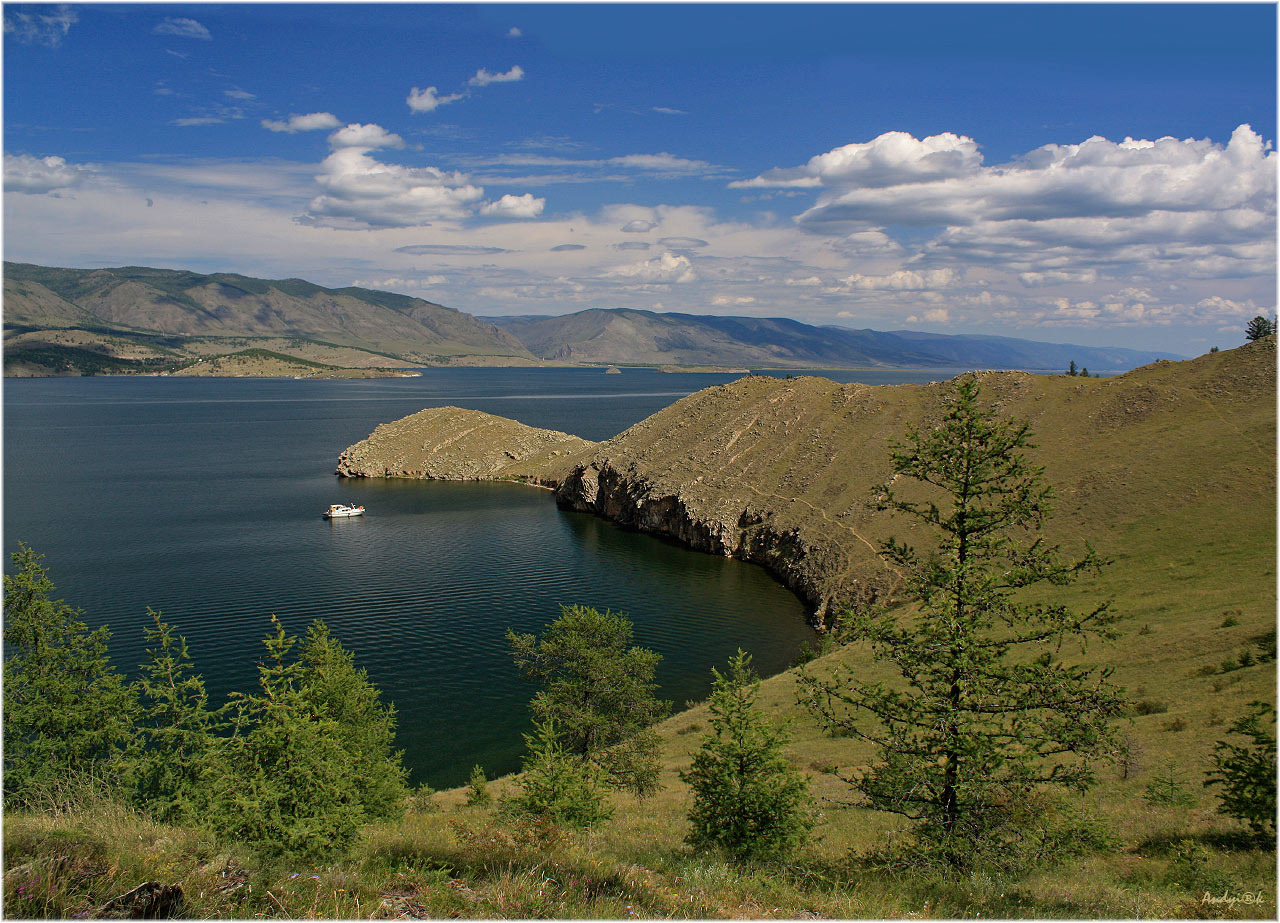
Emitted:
<point x="453" y="444"/>
<point x="731" y="470"/>
<point x="810" y="565"/>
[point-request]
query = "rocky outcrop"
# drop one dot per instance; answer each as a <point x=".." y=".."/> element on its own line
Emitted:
<point x="450" y="443"/>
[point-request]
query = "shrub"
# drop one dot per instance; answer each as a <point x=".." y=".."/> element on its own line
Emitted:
<point x="1149" y="707"/>
<point x="285" y="783"/>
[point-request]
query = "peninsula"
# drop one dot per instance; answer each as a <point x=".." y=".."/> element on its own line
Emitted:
<point x="783" y="472"/>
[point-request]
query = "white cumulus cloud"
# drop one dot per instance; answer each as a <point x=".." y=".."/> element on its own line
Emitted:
<point x="38" y="175"/>
<point x="514" y="206"/>
<point x="429" y="100"/>
<point x="364" y="137"/>
<point x="483" y="78"/>
<point x="902" y="280"/>
<point x="314" y="121"/>
<point x="892" y="159"/>
<point x="669" y="267"/>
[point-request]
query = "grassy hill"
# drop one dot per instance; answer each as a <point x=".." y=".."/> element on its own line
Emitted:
<point x="647" y="338"/>
<point x="1168" y="470"/>
<point x="136" y="306"/>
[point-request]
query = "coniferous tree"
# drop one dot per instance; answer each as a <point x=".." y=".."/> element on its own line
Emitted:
<point x="598" y="693"/>
<point x="1072" y="369"/>
<point x="176" y="729"/>
<point x="284" y="782"/>
<point x="556" y="784"/>
<point x="478" y="787"/>
<point x="747" y="798"/>
<point x="67" y="712"/>
<point x="1258" y="328"/>
<point x="335" y="689"/>
<point x="1247" y="772"/>
<point x="985" y="712"/>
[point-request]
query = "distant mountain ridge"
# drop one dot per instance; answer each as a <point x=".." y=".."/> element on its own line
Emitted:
<point x="178" y="303"/>
<point x="133" y="318"/>
<point x="644" y="337"/>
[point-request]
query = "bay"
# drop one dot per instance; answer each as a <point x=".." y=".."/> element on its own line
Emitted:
<point x="202" y="498"/>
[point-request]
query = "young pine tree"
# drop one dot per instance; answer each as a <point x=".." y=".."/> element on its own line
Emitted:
<point x="285" y="782"/>
<point x="67" y="712"/>
<point x="176" y="729"/>
<point x="1247" y="772"/>
<point x="337" y="690"/>
<point x="556" y="784"/>
<point x="747" y="798"/>
<point x="985" y="713"/>
<point x="478" y="787"/>
<point x="598" y="693"/>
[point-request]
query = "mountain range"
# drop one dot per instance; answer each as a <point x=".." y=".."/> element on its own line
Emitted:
<point x="648" y="338"/>
<point x="73" y="321"/>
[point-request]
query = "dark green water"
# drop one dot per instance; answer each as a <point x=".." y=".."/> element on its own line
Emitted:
<point x="202" y="498"/>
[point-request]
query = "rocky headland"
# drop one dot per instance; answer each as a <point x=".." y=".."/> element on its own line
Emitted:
<point x="784" y="472"/>
<point x="453" y="444"/>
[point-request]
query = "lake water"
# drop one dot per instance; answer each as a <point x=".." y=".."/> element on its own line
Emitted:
<point x="202" y="498"/>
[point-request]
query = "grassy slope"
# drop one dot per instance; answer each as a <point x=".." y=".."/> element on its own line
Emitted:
<point x="1174" y="477"/>
<point x="782" y="471"/>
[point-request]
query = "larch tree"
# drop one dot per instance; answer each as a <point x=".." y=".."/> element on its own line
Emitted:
<point x="176" y="728"/>
<point x="986" y="708"/>
<point x="67" y="711"/>
<point x="747" y="797"/>
<point x="598" y="693"/>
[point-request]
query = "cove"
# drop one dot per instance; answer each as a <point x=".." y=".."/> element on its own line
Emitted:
<point x="202" y="498"/>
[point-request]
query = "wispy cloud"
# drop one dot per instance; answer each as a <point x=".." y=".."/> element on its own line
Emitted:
<point x="48" y="29"/>
<point x="514" y="32"/>
<point x="238" y="93"/>
<point x="193" y="120"/>
<point x="183" y="27"/>
<point x="667" y="110"/>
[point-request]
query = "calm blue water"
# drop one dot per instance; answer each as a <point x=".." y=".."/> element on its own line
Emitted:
<point x="202" y="498"/>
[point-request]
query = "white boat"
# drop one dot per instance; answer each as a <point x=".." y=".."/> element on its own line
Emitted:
<point x="342" y="511"/>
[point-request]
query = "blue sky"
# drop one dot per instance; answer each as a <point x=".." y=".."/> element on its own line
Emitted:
<point x="1100" y="173"/>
